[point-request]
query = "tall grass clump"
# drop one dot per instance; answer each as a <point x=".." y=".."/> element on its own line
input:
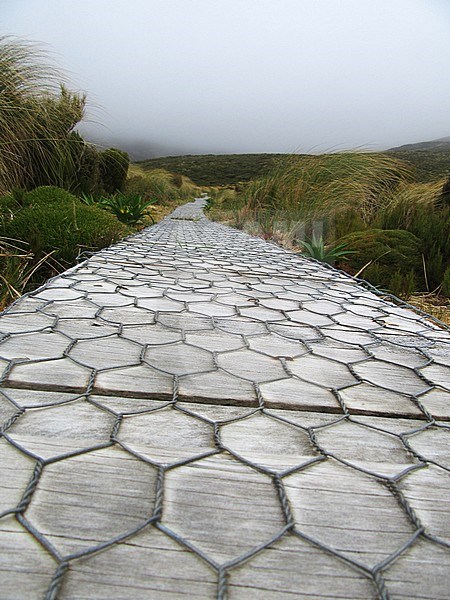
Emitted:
<point x="335" y="193"/>
<point x="324" y="185"/>
<point x="420" y="209"/>
<point x="113" y="167"/>
<point x="167" y="188"/>
<point x="37" y="117"/>
<point x="18" y="265"/>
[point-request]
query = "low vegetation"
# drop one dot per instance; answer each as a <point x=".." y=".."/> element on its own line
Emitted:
<point x="430" y="159"/>
<point x="429" y="165"/>
<point x="44" y="232"/>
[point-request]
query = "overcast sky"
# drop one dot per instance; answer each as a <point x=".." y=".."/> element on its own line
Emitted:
<point x="198" y="76"/>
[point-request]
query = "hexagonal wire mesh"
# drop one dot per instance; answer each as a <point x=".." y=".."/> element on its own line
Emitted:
<point x="197" y="412"/>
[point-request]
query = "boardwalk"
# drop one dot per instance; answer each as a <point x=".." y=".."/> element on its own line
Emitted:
<point x="196" y="413"/>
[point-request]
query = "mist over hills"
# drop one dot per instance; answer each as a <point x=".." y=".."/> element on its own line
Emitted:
<point x="138" y="149"/>
<point x="145" y="149"/>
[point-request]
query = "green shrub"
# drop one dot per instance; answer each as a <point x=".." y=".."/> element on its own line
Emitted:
<point x="402" y="285"/>
<point x="54" y="220"/>
<point x="384" y="256"/>
<point x="88" y="170"/>
<point x="343" y="223"/>
<point x="113" y="169"/>
<point x="46" y="195"/>
<point x="8" y="207"/>
<point x="418" y="208"/>
<point x="434" y="267"/>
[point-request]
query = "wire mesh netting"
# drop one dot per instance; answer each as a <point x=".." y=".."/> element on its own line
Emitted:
<point x="194" y="412"/>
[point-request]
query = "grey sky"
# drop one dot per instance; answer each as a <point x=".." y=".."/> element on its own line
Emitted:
<point x="200" y="76"/>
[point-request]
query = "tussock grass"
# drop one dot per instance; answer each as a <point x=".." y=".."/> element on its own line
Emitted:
<point x="167" y="188"/>
<point x="320" y="186"/>
<point x="37" y="117"/>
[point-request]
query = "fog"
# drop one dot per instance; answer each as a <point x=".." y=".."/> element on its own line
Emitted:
<point x="221" y="76"/>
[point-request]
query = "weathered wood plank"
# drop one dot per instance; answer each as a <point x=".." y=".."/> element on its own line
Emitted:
<point x="26" y="569"/>
<point x="170" y="572"/>
<point x="349" y="511"/>
<point x="91" y="498"/>
<point x="246" y="501"/>
<point x="293" y="568"/>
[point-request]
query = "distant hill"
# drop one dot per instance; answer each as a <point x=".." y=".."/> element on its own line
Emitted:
<point x="431" y="159"/>
<point x="440" y="144"/>
<point x="215" y="169"/>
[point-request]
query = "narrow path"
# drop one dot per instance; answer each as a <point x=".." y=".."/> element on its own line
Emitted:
<point x="197" y="413"/>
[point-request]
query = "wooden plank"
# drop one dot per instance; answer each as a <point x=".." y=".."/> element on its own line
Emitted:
<point x="60" y="429"/>
<point x="368" y="399"/>
<point x="61" y="374"/>
<point x="366" y="448"/>
<point x="217" y="386"/>
<point x="16" y="470"/>
<point x="140" y="381"/>
<point x="212" y="504"/>
<point x="167" y="436"/>
<point x="170" y="572"/>
<point x="426" y="491"/>
<point x="91" y="498"/>
<point x="293" y="568"/>
<point x="349" y="511"/>
<point x="421" y="572"/>
<point x="26" y="569"/>
<point x="288" y="446"/>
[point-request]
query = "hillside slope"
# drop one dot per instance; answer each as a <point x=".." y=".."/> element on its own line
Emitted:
<point x="227" y="169"/>
<point x="431" y="159"/>
<point x="440" y="144"/>
<point x="215" y="169"/>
